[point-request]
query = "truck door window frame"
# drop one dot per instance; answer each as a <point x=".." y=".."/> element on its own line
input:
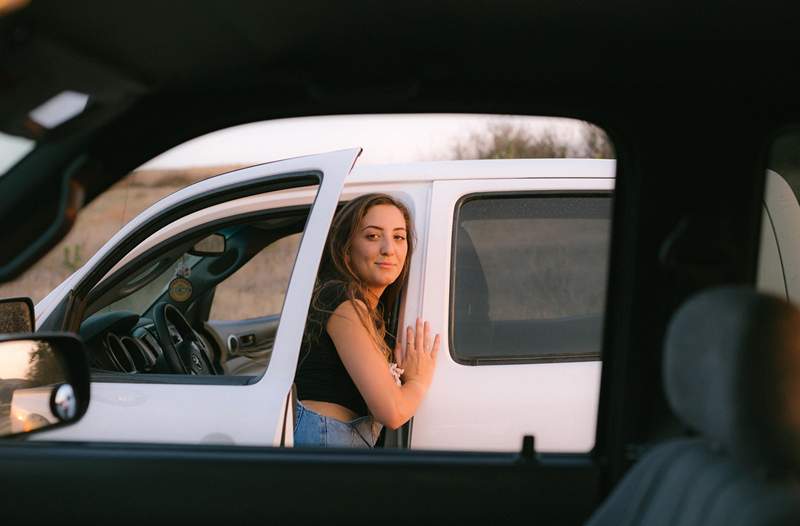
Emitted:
<point x="554" y="357"/>
<point x="327" y="173"/>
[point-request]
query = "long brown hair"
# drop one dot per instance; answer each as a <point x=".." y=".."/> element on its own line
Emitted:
<point x="335" y="270"/>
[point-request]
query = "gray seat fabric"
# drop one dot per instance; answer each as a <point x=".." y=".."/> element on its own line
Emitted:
<point x="732" y="374"/>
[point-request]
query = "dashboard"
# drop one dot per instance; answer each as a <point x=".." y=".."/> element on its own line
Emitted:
<point x="137" y="352"/>
<point x="124" y="342"/>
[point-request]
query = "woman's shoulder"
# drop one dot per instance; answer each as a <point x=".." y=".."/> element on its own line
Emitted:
<point x="334" y="297"/>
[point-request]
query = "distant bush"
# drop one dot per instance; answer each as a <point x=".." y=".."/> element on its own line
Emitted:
<point x="504" y="140"/>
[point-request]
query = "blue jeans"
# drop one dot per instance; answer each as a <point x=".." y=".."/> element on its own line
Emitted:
<point x="315" y="430"/>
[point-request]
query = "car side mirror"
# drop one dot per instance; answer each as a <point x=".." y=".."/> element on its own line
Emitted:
<point x="16" y="315"/>
<point x="44" y="382"/>
<point x="213" y="245"/>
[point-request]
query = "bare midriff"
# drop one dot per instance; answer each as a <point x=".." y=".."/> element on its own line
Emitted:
<point x="339" y="412"/>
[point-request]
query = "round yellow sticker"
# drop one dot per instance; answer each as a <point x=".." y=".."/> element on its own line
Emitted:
<point x="180" y="289"/>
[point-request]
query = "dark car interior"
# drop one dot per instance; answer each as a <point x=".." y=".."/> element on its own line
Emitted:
<point x="692" y="97"/>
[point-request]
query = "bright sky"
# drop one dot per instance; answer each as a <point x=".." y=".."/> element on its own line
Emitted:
<point x="384" y="138"/>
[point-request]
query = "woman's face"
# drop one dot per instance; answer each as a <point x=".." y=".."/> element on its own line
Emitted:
<point x="379" y="247"/>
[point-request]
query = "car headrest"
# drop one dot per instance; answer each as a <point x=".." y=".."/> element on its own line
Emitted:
<point x="732" y="373"/>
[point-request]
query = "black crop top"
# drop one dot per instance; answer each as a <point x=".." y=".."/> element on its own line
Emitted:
<point x="321" y="375"/>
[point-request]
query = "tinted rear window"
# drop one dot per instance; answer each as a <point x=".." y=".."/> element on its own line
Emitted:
<point x="530" y="277"/>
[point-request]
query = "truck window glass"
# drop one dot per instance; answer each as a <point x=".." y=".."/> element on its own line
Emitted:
<point x="530" y="278"/>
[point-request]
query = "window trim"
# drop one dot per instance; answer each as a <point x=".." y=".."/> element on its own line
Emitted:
<point x="512" y="360"/>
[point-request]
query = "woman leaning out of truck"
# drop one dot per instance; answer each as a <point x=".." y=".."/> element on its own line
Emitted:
<point x="349" y="382"/>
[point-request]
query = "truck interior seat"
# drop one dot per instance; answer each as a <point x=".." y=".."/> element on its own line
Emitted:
<point x="732" y="376"/>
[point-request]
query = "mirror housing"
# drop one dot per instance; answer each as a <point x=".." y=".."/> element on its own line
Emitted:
<point x="44" y="382"/>
<point x="211" y="245"/>
<point x="16" y="315"/>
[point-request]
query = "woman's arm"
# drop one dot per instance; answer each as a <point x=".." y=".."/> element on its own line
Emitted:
<point x="390" y="404"/>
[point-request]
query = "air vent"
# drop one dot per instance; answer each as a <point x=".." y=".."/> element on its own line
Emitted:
<point x="233" y="344"/>
<point x="142" y="358"/>
<point x="119" y="355"/>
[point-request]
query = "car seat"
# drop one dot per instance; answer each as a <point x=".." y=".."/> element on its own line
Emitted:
<point x="732" y="375"/>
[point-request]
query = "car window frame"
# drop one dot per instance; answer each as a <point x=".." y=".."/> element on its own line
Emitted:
<point x="506" y="360"/>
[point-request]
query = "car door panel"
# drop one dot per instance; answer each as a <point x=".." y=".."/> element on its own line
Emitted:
<point x="244" y="340"/>
<point x="252" y="413"/>
<point x="503" y="487"/>
<point x="481" y="407"/>
<point x="256" y="334"/>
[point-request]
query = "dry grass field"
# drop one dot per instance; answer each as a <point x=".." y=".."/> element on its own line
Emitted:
<point x="258" y="288"/>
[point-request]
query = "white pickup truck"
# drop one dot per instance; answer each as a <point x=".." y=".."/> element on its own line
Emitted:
<point x="510" y="268"/>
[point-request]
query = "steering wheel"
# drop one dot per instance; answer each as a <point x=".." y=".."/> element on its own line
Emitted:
<point x="184" y="350"/>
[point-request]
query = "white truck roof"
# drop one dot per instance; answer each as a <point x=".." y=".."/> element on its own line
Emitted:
<point x="484" y="169"/>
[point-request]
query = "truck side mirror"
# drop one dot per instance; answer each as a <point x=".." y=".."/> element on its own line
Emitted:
<point x="44" y="382"/>
<point x="16" y="315"/>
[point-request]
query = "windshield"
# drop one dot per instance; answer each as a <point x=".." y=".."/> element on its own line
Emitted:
<point x="141" y="291"/>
